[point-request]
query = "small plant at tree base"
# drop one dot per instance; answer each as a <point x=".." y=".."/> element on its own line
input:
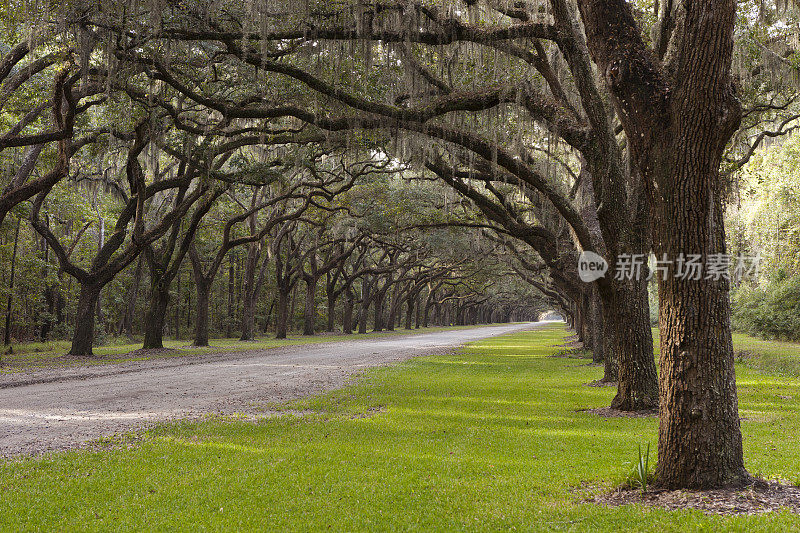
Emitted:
<point x="641" y="470"/>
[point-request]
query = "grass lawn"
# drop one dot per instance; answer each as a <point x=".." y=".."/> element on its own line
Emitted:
<point x="486" y="439"/>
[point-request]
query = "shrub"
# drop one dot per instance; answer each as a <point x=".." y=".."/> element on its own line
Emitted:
<point x="772" y="311"/>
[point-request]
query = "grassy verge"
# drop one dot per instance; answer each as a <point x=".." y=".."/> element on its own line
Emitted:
<point x="42" y="355"/>
<point x="490" y="438"/>
<point x="769" y="356"/>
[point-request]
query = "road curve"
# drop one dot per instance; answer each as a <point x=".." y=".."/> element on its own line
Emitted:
<point x="68" y="410"/>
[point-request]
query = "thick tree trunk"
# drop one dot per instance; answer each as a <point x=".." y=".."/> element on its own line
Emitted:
<point x="126" y="324"/>
<point x="587" y="333"/>
<point x="83" y="338"/>
<point x="610" y="355"/>
<point x="598" y="352"/>
<point x="391" y="320"/>
<point x="248" y="316"/>
<point x="362" y="317"/>
<point x="379" y="311"/>
<point x="178" y="301"/>
<point x="282" y="313"/>
<point x="426" y="314"/>
<point x="156" y="317"/>
<point x="409" y="311"/>
<point x="579" y="326"/>
<point x="331" y="318"/>
<point x="700" y="440"/>
<point x="628" y="313"/>
<point x="201" y="320"/>
<point x="248" y="293"/>
<point x="231" y="295"/>
<point x="347" y="314"/>
<point x="310" y="311"/>
<point x="366" y="298"/>
<point x="268" y="317"/>
<point x="7" y="333"/>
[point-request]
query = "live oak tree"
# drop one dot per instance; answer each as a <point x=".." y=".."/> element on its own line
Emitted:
<point x="131" y="232"/>
<point x="677" y="103"/>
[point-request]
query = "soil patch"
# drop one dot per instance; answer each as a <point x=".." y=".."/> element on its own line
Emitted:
<point x="601" y="383"/>
<point x="608" y="412"/>
<point x="759" y="498"/>
<point x="572" y="353"/>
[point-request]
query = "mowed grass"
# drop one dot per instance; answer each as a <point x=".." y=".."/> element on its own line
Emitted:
<point x="490" y="438"/>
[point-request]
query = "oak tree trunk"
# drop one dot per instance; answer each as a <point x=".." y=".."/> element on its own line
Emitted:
<point x="310" y="311"/>
<point x="700" y="440"/>
<point x="201" y="320"/>
<point x="331" y="318"/>
<point x="156" y="316"/>
<point x="248" y="316"/>
<point x="678" y="117"/>
<point x="83" y="338"/>
<point x="628" y="313"/>
<point x="347" y="314"/>
<point x="249" y="294"/>
<point x="282" y="313"/>
<point x="379" y="312"/>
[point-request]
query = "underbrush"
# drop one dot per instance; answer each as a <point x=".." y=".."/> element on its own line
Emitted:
<point x="771" y="311"/>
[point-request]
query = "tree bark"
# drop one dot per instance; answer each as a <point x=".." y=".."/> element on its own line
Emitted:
<point x="248" y="296"/>
<point x="310" y="311"/>
<point x="155" y="317"/>
<point x="409" y="311"/>
<point x="126" y="326"/>
<point x="282" y="313"/>
<point x="231" y="294"/>
<point x="379" y="311"/>
<point x="331" y="313"/>
<point x="178" y="304"/>
<point x="700" y="440"/>
<point x="7" y="334"/>
<point x="83" y="338"/>
<point x="610" y="355"/>
<point x="391" y="319"/>
<point x="201" y="320"/>
<point x="347" y="314"/>
<point x="598" y="352"/>
<point x="628" y="314"/>
<point x="366" y="299"/>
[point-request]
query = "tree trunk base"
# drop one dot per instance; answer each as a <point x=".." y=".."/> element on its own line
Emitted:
<point x="737" y="481"/>
<point x="634" y="405"/>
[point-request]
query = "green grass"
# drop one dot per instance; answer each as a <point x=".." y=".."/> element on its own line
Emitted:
<point x="39" y="355"/>
<point x="771" y="356"/>
<point x="486" y="439"/>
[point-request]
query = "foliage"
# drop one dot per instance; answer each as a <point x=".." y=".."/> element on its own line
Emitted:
<point x="766" y="219"/>
<point x="771" y="310"/>
<point x="640" y="474"/>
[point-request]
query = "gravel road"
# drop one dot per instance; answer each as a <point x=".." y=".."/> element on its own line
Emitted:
<point x="57" y="410"/>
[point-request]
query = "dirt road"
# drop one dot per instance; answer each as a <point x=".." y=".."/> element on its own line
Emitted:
<point x="57" y="411"/>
